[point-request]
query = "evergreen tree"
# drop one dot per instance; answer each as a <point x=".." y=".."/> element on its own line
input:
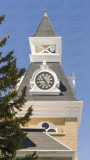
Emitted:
<point x="10" y="133"/>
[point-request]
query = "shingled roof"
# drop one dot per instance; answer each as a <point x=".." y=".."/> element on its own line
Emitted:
<point x="45" y="28"/>
<point x="66" y="93"/>
<point x="38" y="140"/>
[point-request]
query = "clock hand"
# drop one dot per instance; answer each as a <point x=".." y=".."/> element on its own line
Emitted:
<point x="44" y="80"/>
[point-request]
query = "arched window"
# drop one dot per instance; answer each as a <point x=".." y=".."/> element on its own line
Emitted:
<point x="45" y="125"/>
<point x="48" y="126"/>
<point x="51" y="130"/>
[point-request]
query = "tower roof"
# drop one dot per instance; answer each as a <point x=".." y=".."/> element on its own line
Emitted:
<point x="65" y="88"/>
<point x="45" y="28"/>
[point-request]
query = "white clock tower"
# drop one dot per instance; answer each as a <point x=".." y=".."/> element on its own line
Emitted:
<point x="55" y="106"/>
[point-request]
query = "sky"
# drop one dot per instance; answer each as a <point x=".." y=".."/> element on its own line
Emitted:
<point x="70" y="20"/>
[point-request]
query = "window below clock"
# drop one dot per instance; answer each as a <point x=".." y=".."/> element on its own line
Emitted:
<point x="45" y="125"/>
<point x="48" y="126"/>
<point x="51" y="130"/>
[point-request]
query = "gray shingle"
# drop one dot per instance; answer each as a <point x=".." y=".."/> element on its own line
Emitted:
<point x="41" y="141"/>
<point x="45" y="28"/>
<point x="65" y="88"/>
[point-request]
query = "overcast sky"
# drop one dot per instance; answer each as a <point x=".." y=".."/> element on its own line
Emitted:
<point x="71" y="21"/>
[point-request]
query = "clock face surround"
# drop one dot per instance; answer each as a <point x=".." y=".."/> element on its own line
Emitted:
<point x="44" y="80"/>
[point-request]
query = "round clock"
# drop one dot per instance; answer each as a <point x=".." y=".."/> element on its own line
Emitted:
<point x="44" y="80"/>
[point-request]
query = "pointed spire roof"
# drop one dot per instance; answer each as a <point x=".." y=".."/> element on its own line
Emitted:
<point x="45" y="28"/>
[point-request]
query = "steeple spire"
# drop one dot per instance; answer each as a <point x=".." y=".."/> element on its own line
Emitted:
<point x="45" y="28"/>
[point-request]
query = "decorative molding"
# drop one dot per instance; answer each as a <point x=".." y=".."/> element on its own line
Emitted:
<point x="49" y="49"/>
<point x="54" y="109"/>
<point x="49" y="57"/>
<point x="48" y="153"/>
<point x="56" y="134"/>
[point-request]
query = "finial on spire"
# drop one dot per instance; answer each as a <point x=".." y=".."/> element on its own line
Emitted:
<point x="45" y="7"/>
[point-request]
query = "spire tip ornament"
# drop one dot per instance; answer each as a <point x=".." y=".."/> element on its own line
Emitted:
<point x="45" y="7"/>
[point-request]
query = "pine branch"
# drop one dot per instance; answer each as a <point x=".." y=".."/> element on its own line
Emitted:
<point x="10" y="73"/>
<point x="3" y="41"/>
<point x="6" y="105"/>
<point x="2" y="18"/>
<point x="29" y="157"/>
<point x="11" y="135"/>
<point x="1" y="53"/>
<point x="26" y="118"/>
<point x="7" y="57"/>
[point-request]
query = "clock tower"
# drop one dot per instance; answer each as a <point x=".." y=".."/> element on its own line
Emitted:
<point x="55" y="106"/>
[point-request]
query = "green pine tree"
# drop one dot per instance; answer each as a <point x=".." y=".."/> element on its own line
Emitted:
<point x="10" y="133"/>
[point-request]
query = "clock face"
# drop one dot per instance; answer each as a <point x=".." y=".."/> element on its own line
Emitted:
<point x="44" y="80"/>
